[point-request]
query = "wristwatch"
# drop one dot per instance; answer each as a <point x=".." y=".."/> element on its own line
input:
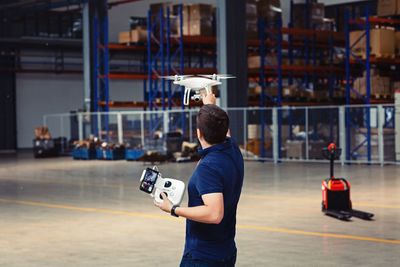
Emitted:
<point x="173" y="210"/>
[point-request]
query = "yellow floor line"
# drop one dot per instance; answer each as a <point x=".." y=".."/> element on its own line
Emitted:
<point x="94" y="210"/>
<point x="166" y="217"/>
<point x="299" y="232"/>
<point x="303" y="199"/>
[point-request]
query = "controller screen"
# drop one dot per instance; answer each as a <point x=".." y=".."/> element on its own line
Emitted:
<point x="149" y="180"/>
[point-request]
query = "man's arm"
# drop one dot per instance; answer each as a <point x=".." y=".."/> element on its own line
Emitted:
<point x="211" y="212"/>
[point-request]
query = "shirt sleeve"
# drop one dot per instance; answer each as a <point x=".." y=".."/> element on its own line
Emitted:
<point x="208" y="180"/>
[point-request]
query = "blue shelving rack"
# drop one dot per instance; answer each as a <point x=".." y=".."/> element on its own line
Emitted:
<point x="351" y="113"/>
<point x="353" y="116"/>
<point x="270" y="32"/>
<point x="165" y="59"/>
<point x="101" y="65"/>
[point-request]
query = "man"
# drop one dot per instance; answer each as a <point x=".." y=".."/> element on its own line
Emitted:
<point x="214" y="191"/>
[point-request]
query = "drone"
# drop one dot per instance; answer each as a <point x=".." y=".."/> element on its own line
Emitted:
<point x="197" y="83"/>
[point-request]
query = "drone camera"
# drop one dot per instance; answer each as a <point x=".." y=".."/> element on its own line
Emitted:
<point x="197" y="97"/>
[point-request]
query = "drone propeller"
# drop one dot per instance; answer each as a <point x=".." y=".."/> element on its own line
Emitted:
<point x="175" y="77"/>
<point x="218" y="76"/>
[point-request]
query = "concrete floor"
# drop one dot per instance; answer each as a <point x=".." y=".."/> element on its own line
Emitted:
<point x="60" y="212"/>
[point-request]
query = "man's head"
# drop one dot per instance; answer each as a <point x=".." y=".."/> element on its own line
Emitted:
<point x="212" y="124"/>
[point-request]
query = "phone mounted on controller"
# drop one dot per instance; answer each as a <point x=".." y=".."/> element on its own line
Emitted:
<point x="151" y="182"/>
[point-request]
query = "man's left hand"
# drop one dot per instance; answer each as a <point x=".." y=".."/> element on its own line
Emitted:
<point x="165" y="205"/>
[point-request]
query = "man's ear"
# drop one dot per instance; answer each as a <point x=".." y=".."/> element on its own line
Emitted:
<point x="199" y="135"/>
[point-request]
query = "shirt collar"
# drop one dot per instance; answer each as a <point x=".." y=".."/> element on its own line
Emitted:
<point x="217" y="147"/>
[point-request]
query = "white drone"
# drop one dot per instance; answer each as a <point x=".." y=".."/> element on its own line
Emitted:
<point x="197" y="83"/>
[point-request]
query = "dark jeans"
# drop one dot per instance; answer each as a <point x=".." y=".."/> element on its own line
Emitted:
<point x="189" y="261"/>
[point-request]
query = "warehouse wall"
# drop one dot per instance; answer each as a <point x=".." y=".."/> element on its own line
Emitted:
<point x="39" y="94"/>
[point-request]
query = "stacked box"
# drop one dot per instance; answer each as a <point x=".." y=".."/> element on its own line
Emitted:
<point x="42" y="132"/>
<point x="388" y="144"/>
<point x="397" y="40"/>
<point x="156" y="8"/>
<point x="315" y="149"/>
<point x="254" y="146"/>
<point x="382" y="42"/>
<point x="388" y="7"/>
<point x="316" y="12"/>
<point x="295" y="149"/>
<point x="133" y="36"/>
<point x="265" y="9"/>
<point x="251" y="19"/>
<point x="397" y="122"/>
<point x="254" y="62"/>
<point x="379" y="85"/>
<point x="198" y="20"/>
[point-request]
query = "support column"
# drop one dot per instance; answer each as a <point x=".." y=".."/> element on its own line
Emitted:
<point x="86" y="57"/>
<point x="232" y="59"/>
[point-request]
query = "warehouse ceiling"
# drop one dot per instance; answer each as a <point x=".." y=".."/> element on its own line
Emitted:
<point x="15" y="8"/>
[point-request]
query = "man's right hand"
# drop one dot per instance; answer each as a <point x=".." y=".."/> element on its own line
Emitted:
<point x="209" y="99"/>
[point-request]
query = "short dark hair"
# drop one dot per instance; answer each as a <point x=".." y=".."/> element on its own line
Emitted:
<point x="213" y="123"/>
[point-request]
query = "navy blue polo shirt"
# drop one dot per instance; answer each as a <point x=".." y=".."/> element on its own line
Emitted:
<point x="220" y="170"/>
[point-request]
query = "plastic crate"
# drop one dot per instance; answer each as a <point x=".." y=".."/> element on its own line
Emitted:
<point x="83" y="153"/>
<point x="110" y="154"/>
<point x="134" y="154"/>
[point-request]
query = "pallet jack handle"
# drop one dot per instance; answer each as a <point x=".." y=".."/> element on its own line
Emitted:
<point x="331" y="153"/>
<point x="332" y="149"/>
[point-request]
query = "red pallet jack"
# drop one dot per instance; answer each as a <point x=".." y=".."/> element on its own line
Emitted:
<point x="336" y="200"/>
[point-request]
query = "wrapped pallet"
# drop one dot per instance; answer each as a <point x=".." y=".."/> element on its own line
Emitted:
<point x="382" y="43"/>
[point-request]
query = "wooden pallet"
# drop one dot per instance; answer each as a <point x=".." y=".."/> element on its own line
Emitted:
<point x="379" y="56"/>
<point x="381" y="96"/>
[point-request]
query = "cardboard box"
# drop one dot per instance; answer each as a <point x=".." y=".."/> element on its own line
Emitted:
<point x="134" y="36"/>
<point x="382" y="42"/>
<point x="201" y="12"/>
<point x="198" y="27"/>
<point x="155" y="8"/>
<point x="295" y="149"/>
<point x="252" y="29"/>
<point x="387" y="7"/>
<point x="379" y="86"/>
<point x="254" y="131"/>
<point x="254" y="146"/>
<point x="251" y="9"/>
<point x="397" y="40"/>
<point x="42" y="132"/>
<point x="315" y="149"/>
<point x="254" y="62"/>
<point x="316" y="12"/>
<point x="389" y="136"/>
<point x="264" y="9"/>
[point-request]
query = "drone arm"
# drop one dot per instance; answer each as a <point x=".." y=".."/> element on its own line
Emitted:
<point x="186" y="97"/>
<point x="208" y="89"/>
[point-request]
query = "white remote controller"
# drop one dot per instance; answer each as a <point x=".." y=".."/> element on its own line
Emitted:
<point x="152" y="183"/>
<point x="174" y="189"/>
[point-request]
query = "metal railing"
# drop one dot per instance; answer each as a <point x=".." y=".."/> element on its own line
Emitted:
<point x="271" y="134"/>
